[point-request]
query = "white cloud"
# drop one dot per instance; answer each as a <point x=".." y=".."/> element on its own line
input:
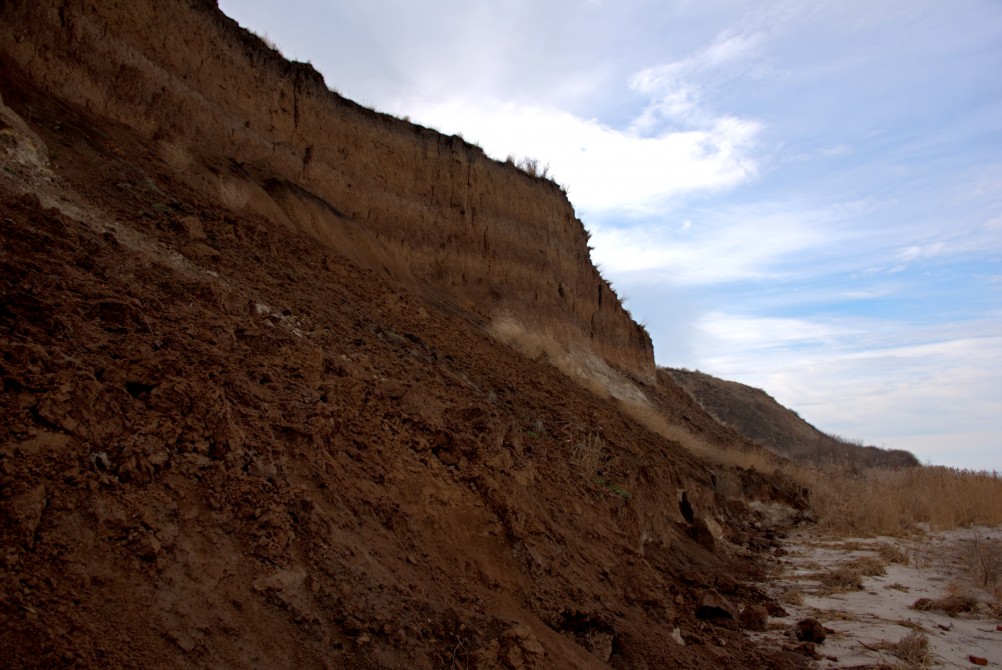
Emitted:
<point x="756" y="242"/>
<point x="603" y="169"/>
<point x="678" y="89"/>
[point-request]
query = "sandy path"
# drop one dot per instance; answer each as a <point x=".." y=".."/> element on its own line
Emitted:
<point x="864" y="621"/>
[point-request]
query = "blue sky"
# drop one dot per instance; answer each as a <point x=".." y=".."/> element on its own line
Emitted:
<point x="801" y="196"/>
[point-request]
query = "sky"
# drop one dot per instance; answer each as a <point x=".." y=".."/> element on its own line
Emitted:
<point x="803" y="196"/>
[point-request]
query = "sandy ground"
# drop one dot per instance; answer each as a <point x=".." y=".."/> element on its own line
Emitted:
<point x="865" y="623"/>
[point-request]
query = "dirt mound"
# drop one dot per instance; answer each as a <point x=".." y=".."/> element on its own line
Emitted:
<point x="237" y="430"/>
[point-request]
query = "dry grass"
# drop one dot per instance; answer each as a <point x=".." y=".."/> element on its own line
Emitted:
<point x="649" y="416"/>
<point x="234" y="194"/>
<point x="791" y="596"/>
<point x="984" y="562"/>
<point x="895" y="502"/>
<point x="589" y="454"/>
<point x="912" y="649"/>
<point x="958" y="600"/>
<point x="839" y="580"/>
<point x="848" y="576"/>
<point x="891" y="553"/>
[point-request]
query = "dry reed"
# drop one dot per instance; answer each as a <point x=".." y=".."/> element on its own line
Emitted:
<point x="894" y="502"/>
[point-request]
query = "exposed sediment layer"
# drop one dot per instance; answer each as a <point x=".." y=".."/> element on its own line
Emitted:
<point x="389" y="194"/>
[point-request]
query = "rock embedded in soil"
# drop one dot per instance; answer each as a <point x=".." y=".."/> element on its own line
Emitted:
<point x="754" y="617"/>
<point x="810" y="630"/>
<point x="715" y="606"/>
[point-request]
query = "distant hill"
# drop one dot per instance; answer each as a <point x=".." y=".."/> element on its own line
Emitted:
<point x="757" y="415"/>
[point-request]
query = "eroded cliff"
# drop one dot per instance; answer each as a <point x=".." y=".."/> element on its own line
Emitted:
<point x="391" y="195"/>
<point x="250" y="418"/>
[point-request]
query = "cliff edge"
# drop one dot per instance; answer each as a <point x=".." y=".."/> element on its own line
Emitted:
<point x="429" y="210"/>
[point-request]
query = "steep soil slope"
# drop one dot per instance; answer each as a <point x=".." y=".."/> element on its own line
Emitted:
<point x="391" y="195"/>
<point x="756" y="415"/>
<point x="239" y="429"/>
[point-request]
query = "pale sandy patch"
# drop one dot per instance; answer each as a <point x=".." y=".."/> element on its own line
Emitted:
<point x="864" y="622"/>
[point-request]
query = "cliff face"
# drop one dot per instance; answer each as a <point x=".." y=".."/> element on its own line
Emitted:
<point x="390" y="195"/>
<point x="251" y="415"/>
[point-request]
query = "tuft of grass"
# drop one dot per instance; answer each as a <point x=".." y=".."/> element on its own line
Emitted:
<point x="953" y="604"/>
<point x="791" y="596"/>
<point x="849" y="576"/>
<point x="913" y="649"/>
<point x="984" y="562"/>
<point x="840" y="579"/>
<point x="892" y="554"/>
<point x="589" y="455"/>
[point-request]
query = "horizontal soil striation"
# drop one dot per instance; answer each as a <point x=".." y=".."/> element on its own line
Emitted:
<point x="223" y="444"/>
<point x="418" y="204"/>
<point x="237" y="430"/>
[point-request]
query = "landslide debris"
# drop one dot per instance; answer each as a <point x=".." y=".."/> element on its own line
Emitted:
<point x="228" y="442"/>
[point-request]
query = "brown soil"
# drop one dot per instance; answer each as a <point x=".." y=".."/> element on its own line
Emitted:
<point x="226" y="441"/>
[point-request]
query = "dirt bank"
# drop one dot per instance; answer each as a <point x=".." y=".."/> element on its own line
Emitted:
<point x="252" y="412"/>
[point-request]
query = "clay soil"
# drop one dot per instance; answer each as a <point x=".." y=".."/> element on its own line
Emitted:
<point x="223" y="445"/>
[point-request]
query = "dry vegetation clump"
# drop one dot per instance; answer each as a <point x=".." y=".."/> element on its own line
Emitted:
<point x="589" y="454"/>
<point x="984" y="561"/>
<point x="840" y="579"/>
<point x="869" y="566"/>
<point x="849" y="576"/>
<point x="791" y="596"/>
<point x="957" y="601"/>
<point x="895" y="502"/>
<point x="891" y="553"/>
<point x="530" y="166"/>
<point x="912" y="649"/>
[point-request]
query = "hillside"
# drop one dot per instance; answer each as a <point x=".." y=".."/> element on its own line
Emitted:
<point x="289" y="383"/>
<point x="756" y="415"/>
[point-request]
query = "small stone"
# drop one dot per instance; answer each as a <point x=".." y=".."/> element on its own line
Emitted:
<point x="978" y="660"/>
<point x="715" y="606"/>
<point x="754" y="617"/>
<point x="810" y="630"/>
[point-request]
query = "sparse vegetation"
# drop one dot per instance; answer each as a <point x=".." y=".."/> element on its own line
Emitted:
<point x="953" y="604"/>
<point x="849" y="576"/>
<point x="530" y="166"/>
<point x="791" y="596"/>
<point x="984" y="561"/>
<point x="912" y="649"/>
